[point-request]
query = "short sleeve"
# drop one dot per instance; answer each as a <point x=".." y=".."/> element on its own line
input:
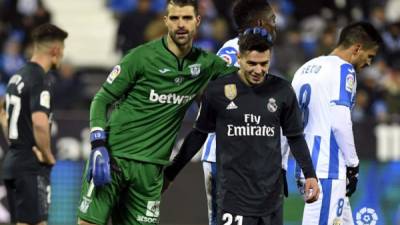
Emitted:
<point x="123" y="75"/>
<point x="206" y="118"/>
<point x="291" y="117"/>
<point x="39" y="95"/>
<point x="229" y="55"/>
<point x="344" y="87"/>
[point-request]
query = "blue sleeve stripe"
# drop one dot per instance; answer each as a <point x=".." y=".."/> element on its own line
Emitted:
<point x="326" y="201"/>
<point x="345" y="95"/>
<point x="208" y="146"/>
<point x="344" y="103"/>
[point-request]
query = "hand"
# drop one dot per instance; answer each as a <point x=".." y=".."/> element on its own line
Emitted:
<point x="40" y="157"/>
<point x="38" y="154"/>
<point x="311" y="190"/>
<point x="99" y="160"/>
<point x="352" y="180"/>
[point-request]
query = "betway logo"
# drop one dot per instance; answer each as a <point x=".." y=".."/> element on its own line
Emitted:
<point x="170" y="98"/>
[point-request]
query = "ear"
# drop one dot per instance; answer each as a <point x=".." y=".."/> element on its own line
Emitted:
<point x="198" y="20"/>
<point x="54" y="50"/>
<point x="356" y="48"/>
<point x="165" y="19"/>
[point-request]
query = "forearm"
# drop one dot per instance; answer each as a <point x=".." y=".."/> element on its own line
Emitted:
<point x="41" y="134"/>
<point x="98" y="108"/>
<point x="343" y="132"/>
<point x="299" y="149"/>
<point x="191" y="145"/>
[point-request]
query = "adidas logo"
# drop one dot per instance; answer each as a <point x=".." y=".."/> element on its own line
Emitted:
<point x="231" y="106"/>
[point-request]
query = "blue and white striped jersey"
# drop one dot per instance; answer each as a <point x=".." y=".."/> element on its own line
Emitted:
<point x="322" y="84"/>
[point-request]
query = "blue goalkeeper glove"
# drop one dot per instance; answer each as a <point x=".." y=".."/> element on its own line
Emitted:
<point x="352" y="180"/>
<point x="99" y="161"/>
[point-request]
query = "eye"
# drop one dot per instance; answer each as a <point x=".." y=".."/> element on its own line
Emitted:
<point x="188" y="17"/>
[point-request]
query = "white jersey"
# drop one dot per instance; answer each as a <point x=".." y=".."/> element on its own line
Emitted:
<point x="322" y="84"/>
<point x="228" y="52"/>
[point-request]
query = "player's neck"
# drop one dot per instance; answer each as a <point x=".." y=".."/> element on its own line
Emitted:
<point x="179" y="51"/>
<point x="343" y="54"/>
<point x="43" y="60"/>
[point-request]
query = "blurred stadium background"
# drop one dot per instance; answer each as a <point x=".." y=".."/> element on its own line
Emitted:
<point x="102" y="30"/>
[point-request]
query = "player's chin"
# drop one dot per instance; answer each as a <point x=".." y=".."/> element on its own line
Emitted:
<point x="256" y="79"/>
<point x="182" y="40"/>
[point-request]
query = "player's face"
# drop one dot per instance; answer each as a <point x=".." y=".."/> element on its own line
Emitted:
<point x="254" y="66"/>
<point x="364" y="57"/>
<point x="182" y="23"/>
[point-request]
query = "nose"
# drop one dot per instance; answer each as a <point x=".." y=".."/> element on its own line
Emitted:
<point x="259" y="69"/>
<point x="181" y="23"/>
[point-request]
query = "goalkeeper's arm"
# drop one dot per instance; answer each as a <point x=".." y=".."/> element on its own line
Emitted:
<point x="99" y="107"/>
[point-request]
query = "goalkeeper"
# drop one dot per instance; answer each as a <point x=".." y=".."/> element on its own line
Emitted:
<point x="154" y="85"/>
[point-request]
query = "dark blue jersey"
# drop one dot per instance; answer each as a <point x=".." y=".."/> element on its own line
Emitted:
<point x="247" y="121"/>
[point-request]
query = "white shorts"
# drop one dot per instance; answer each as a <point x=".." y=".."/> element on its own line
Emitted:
<point x="332" y="206"/>
<point x="210" y="169"/>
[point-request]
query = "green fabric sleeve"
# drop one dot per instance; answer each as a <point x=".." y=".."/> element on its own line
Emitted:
<point x="121" y="79"/>
<point x="99" y="107"/>
<point x="221" y="68"/>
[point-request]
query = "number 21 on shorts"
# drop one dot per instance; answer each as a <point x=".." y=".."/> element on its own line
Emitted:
<point x="228" y="219"/>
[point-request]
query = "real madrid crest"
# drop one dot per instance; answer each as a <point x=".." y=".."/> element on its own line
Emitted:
<point x="272" y="106"/>
<point x="230" y="93"/>
<point x="195" y="69"/>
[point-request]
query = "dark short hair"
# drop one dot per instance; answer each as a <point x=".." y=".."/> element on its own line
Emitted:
<point x="360" y="32"/>
<point x="48" y="32"/>
<point x="246" y="12"/>
<point x="255" y="39"/>
<point x="182" y="3"/>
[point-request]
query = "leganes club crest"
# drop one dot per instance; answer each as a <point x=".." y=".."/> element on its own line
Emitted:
<point x="195" y="69"/>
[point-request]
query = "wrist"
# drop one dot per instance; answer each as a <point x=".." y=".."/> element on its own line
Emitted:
<point x="98" y="138"/>
<point x="352" y="171"/>
<point x="309" y="173"/>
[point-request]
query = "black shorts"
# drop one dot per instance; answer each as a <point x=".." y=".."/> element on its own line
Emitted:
<point x="275" y="218"/>
<point x="28" y="198"/>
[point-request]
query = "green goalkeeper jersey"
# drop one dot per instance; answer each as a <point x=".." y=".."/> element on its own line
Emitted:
<point x="153" y="89"/>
